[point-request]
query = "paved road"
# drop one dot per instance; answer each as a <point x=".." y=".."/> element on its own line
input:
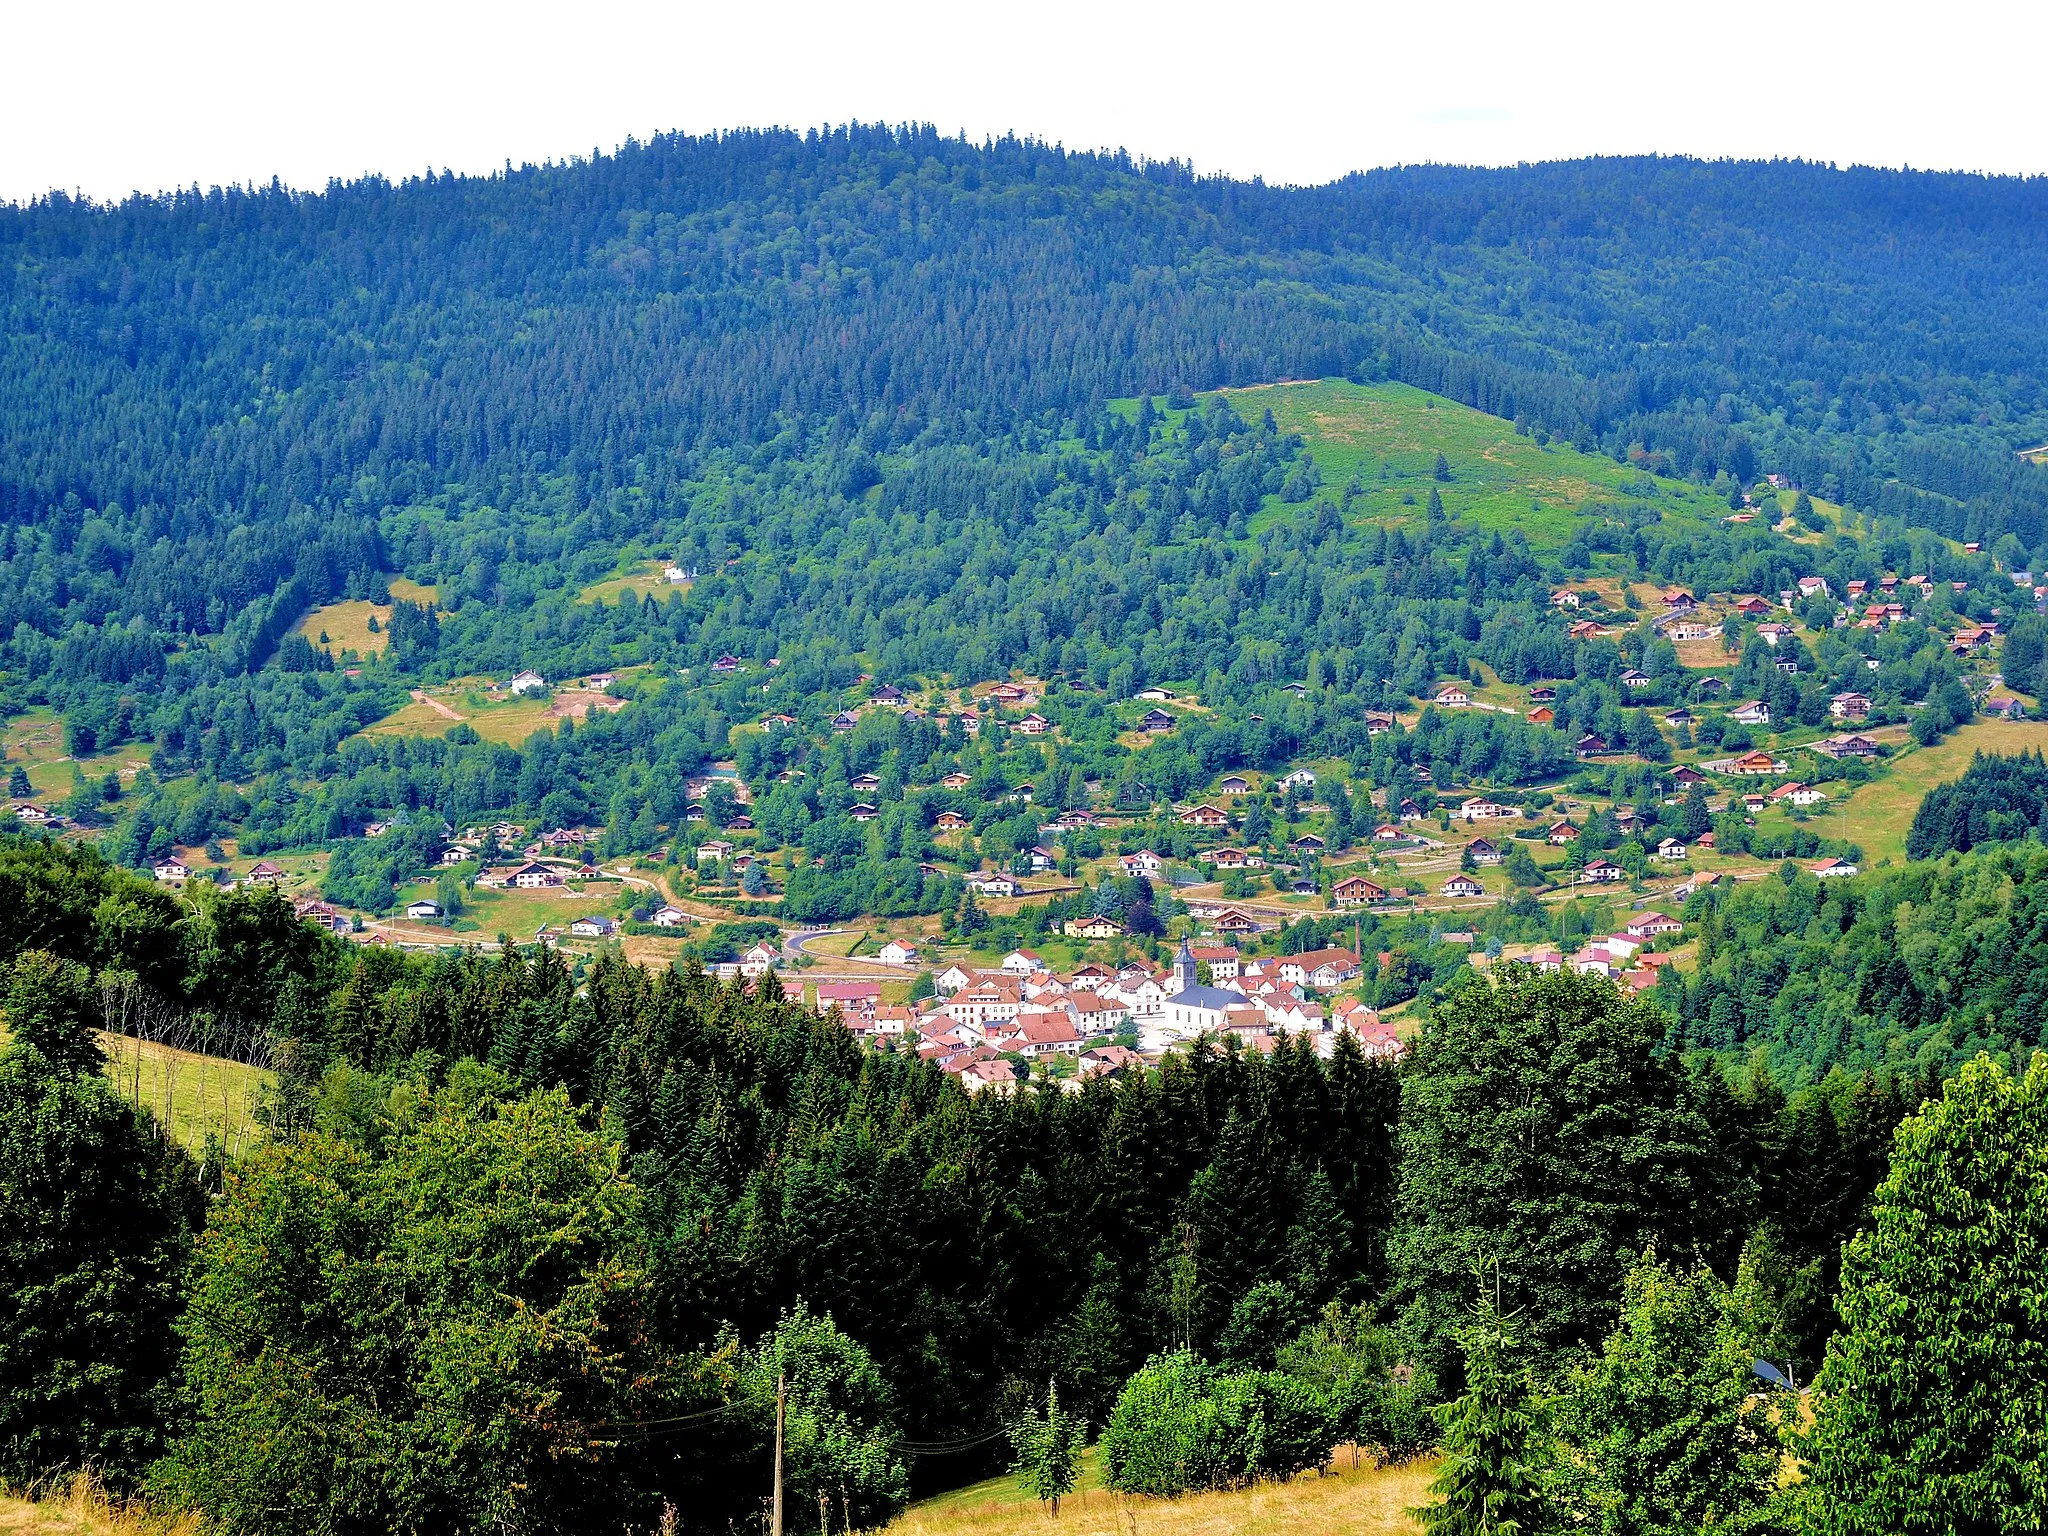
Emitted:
<point x="857" y="967"/>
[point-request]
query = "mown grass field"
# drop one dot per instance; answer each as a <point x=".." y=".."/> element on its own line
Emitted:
<point x="645" y="578"/>
<point x="1367" y="1501"/>
<point x="1878" y="814"/>
<point x="347" y="624"/>
<point x="1390" y="434"/>
<point x="519" y="913"/>
<point x="196" y="1096"/>
<point x="508" y="721"/>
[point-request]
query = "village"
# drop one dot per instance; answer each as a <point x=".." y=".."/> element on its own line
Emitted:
<point x="1635" y="825"/>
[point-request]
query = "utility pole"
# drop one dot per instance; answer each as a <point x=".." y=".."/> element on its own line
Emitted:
<point x="781" y="1398"/>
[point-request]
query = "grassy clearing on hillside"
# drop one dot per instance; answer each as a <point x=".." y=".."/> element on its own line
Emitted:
<point x="347" y="624"/>
<point x="647" y="578"/>
<point x="194" y="1095"/>
<point x="519" y="913"/>
<point x="1369" y="1501"/>
<point x="35" y="740"/>
<point x="1878" y="815"/>
<point x="507" y="721"/>
<point x="1498" y="480"/>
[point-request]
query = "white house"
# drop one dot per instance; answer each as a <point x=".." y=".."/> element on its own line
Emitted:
<point x="1651" y="925"/>
<point x="669" y="917"/>
<point x="1463" y="885"/>
<point x="1022" y="962"/>
<point x="526" y="682"/>
<point x="1301" y="777"/>
<point x="1801" y="795"/>
<point x="1323" y="969"/>
<point x="897" y="952"/>
<point x="953" y="978"/>
<point x="595" y="926"/>
<point x="423" y="909"/>
<point x="1480" y="809"/>
<point x="521" y="877"/>
<point x="1834" y="869"/>
<point x="171" y="871"/>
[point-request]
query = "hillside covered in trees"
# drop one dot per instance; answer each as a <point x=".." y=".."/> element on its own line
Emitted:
<point x="516" y="1231"/>
<point x="759" y="426"/>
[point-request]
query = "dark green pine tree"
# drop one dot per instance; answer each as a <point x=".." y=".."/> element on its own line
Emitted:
<point x="1497" y="1451"/>
<point x="1239" y="1206"/>
<point x="1365" y="1103"/>
<point x="97" y="1212"/>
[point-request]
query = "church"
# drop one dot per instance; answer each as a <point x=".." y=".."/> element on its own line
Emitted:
<point x="1192" y="1008"/>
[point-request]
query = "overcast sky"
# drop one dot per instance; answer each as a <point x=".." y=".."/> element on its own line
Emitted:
<point x="113" y="97"/>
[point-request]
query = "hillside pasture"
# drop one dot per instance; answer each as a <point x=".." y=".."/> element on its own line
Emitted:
<point x="1389" y="435"/>
<point x="35" y="741"/>
<point x="643" y="578"/>
<point x="195" y="1096"/>
<point x="1878" y="815"/>
<point x="504" y="719"/>
<point x="347" y="624"/>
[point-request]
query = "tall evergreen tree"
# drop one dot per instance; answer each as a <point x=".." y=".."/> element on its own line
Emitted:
<point x="1498" y="1455"/>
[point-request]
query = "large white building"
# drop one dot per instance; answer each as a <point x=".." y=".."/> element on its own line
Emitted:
<point x="1191" y="1008"/>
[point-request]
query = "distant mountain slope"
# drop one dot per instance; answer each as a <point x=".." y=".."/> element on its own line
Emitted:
<point x="371" y="343"/>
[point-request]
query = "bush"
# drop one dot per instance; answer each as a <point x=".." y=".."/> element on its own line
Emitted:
<point x="1180" y="1425"/>
<point x="1360" y="1370"/>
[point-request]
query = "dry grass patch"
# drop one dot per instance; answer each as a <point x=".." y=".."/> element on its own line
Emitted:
<point x="347" y="624"/>
<point x="1367" y="1501"/>
<point x="83" y="1509"/>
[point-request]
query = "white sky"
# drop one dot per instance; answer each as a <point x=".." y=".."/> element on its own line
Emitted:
<point x="109" y="97"/>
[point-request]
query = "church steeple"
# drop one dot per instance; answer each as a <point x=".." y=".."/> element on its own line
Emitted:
<point x="1184" y="969"/>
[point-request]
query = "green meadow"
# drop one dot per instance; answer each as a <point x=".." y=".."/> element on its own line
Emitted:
<point x="1388" y="436"/>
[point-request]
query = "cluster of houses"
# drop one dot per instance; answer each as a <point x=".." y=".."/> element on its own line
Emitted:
<point x="983" y="1025"/>
<point x="1628" y="958"/>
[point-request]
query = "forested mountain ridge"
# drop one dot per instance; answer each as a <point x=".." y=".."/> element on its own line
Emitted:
<point x="369" y="344"/>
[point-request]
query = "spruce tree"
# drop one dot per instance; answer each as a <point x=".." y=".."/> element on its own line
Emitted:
<point x="1497" y="1452"/>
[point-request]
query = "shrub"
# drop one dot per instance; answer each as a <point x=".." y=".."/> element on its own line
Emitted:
<point x="1181" y="1425"/>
